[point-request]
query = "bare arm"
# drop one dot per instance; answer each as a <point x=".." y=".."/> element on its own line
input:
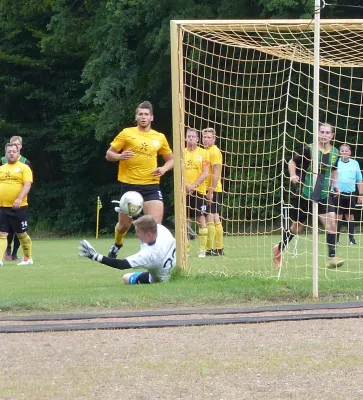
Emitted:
<point x="215" y="179"/>
<point x="169" y="164"/>
<point x="114" y="156"/>
<point x="24" y="191"/>
<point x="334" y="180"/>
<point x="294" y="178"/>
<point x="360" y="190"/>
<point x="201" y="178"/>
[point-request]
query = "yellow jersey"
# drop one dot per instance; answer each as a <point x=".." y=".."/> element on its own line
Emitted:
<point x="215" y="158"/>
<point x="146" y="146"/>
<point x="12" y="178"/>
<point x="194" y="162"/>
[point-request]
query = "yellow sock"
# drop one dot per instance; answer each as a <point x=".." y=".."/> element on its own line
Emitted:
<point x="203" y="236"/>
<point x="219" y="235"/>
<point x="26" y="244"/>
<point x="211" y="235"/>
<point x="119" y="237"/>
<point x="3" y="246"/>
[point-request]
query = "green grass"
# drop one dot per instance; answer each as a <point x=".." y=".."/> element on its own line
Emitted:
<point x="61" y="281"/>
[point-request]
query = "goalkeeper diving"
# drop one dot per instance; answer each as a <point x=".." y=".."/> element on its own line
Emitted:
<point x="157" y="253"/>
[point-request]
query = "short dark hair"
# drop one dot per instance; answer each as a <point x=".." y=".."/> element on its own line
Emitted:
<point x="146" y="105"/>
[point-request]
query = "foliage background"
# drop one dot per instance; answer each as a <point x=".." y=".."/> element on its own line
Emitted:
<point x="71" y="75"/>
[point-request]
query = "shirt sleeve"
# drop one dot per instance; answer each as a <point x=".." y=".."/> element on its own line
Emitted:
<point x="142" y="259"/>
<point x="118" y="142"/>
<point x="165" y="148"/>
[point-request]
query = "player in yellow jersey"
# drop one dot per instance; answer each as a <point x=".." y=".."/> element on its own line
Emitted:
<point x="136" y="150"/>
<point x="13" y="255"/>
<point x="196" y="171"/>
<point x="214" y="194"/>
<point x="15" y="182"/>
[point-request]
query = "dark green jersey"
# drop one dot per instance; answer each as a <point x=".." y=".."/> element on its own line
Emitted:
<point x="327" y="161"/>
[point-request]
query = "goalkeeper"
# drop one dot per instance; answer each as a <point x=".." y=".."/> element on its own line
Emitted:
<point x="157" y="253"/>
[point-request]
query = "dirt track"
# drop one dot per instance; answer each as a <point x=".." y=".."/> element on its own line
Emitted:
<point x="299" y="359"/>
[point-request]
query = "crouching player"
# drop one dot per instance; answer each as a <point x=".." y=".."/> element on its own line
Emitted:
<point x="157" y="253"/>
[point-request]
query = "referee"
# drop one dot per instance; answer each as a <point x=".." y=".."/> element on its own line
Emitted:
<point x="349" y="176"/>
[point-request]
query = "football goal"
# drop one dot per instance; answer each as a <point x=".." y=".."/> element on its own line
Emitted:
<point x="253" y="82"/>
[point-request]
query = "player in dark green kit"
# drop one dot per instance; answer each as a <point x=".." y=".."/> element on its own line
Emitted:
<point x="326" y="179"/>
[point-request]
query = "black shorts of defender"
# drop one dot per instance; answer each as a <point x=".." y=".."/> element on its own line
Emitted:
<point x="196" y="205"/>
<point x="148" y="192"/>
<point x="303" y="208"/>
<point x="215" y="206"/>
<point x="345" y="202"/>
<point x="13" y="220"/>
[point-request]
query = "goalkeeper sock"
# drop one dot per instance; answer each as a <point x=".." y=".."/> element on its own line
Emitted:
<point x="211" y="235"/>
<point x="219" y="235"/>
<point x="26" y="244"/>
<point x="119" y="237"/>
<point x="3" y="245"/>
<point x="203" y="237"/>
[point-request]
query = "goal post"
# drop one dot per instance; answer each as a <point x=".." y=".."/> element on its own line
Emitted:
<point x="253" y="82"/>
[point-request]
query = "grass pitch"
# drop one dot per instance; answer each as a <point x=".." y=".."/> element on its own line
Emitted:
<point x="59" y="280"/>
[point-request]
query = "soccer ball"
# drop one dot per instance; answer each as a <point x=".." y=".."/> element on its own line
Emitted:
<point x="131" y="203"/>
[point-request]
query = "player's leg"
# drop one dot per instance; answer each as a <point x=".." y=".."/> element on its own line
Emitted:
<point x="4" y="228"/>
<point x="350" y="219"/>
<point x="16" y="245"/>
<point x="154" y="208"/>
<point x="202" y="223"/>
<point x="299" y="215"/>
<point x="217" y="201"/>
<point x="121" y="229"/>
<point x="137" y="278"/>
<point x="10" y="238"/>
<point x="328" y="220"/>
<point x="211" y="235"/>
<point x="19" y="222"/>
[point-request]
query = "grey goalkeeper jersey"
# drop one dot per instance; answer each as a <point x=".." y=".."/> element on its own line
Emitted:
<point x="158" y="258"/>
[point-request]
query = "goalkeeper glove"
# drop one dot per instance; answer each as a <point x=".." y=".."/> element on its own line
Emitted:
<point x="117" y="209"/>
<point x="86" y="250"/>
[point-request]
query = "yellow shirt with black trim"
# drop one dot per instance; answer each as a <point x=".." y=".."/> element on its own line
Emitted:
<point x="215" y="158"/>
<point x="194" y="162"/>
<point x="146" y="146"/>
<point x="12" y="178"/>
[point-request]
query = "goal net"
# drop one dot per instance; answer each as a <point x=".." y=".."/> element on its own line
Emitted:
<point x="252" y="81"/>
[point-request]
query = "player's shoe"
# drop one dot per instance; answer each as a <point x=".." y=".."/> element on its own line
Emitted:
<point x="276" y="255"/>
<point x="220" y="252"/>
<point x="1" y="263"/>
<point x="335" y="262"/>
<point x="8" y="255"/>
<point x="114" y="250"/>
<point x="210" y="253"/>
<point x="26" y="261"/>
<point x="201" y="254"/>
<point x="14" y="257"/>
<point x="352" y="241"/>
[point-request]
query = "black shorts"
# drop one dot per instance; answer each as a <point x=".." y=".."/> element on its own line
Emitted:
<point x="196" y="205"/>
<point x="148" y="192"/>
<point x="216" y="205"/>
<point x="303" y="208"/>
<point x="344" y="202"/>
<point x="13" y="220"/>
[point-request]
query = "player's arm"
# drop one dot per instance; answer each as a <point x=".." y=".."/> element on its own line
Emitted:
<point x="334" y="180"/>
<point x="169" y="164"/>
<point x="216" y="172"/>
<point x="114" y="156"/>
<point x="24" y="191"/>
<point x="86" y="250"/>
<point x="297" y="162"/>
